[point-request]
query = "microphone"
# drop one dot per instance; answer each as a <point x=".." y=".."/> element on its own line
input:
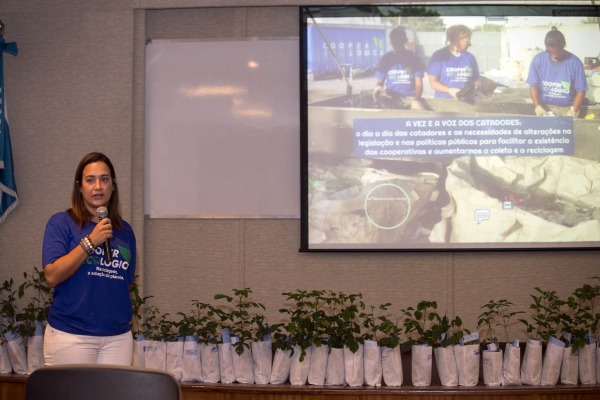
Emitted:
<point x="102" y="212"/>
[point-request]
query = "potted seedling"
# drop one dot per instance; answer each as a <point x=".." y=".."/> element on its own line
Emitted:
<point x="294" y="343"/>
<point x="192" y="327"/>
<point x="391" y="355"/>
<point x="339" y="318"/>
<point x="420" y="325"/>
<point x="164" y="349"/>
<point x="499" y="369"/>
<point x="262" y="348"/>
<point x="207" y="327"/>
<point x="175" y="343"/>
<point x="14" y="355"/>
<point x="447" y="334"/>
<point x="545" y="328"/>
<point x="466" y="351"/>
<point x="138" y="304"/>
<point x="157" y="329"/>
<point x="580" y="322"/>
<point x="573" y="333"/>
<point x="239" y="316"/>
<point x="34" y="317"/>
<point x="382" y="347"/>
<point x="353" y="339"/>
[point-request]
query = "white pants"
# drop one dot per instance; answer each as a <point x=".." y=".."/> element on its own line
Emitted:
<point x="65" y="348"/>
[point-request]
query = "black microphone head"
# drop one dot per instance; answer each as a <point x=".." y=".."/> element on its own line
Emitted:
<point x="102" y="212"/>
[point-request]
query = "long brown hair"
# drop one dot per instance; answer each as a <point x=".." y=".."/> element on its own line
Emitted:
<point x="78" y="211"/>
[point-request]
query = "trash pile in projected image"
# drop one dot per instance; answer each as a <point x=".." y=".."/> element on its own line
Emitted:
<point x="499" y="156"/>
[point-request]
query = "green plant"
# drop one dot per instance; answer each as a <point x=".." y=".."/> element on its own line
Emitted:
<point x="547" y="315"/>
<point x="137" y="307"/>
<point x="497" y="314"/>
<point x="587" y="297"/>
<point x="424" y="325"/>
<point x="8" y="298"/>
<point x="263" y="329"/>
<point x="201" y="322"/>
<point x="36" y="310"/>
<point x="300" y="330"/>
<point x="421" y="324"/>
<point x="243" y="317"/>
<point x="320" y="318"/>
<point x="340" y="319"/>
<point x="157" y="326"/>
<point x="380" y="328"/>
<point x="450" y="332"/>
<point x="580" y="319"/>
<point x="187" y="324"/>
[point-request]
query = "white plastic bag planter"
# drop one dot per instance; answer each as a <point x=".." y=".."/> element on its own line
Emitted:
<point x="511" y="366"/>
<point x="209" y="358"/>
<point x="243" y="368"/>
<point x="335" y="372"/>
<point x="226" y="358"/>
<point x="569" y="370"/>
<point x="155" y="354"/>
<point x="492" y="362"/>
<point x="391" y="366"/>
<point x="531" y="369"/>
<point x="587" y="364"/>
<point x="467" y="364"/>
<point x="139" y="344"/>
<point x="174" y="358"/>
<point x="445" y="361"/>
<point x="280" y="369"/>
<point x="299" y="370"/>
<point x="318" y="365"/>
<point x="372" y="363"/>
<point x="597" y="364"/>
<point x="354" y="366"/>
<point x="421" y="363"/>
<point x="191" y="364"/>
<point x="552" y="362"/>
<point x="5" y="365"/>
<point x="35" y="348"/>
<point x="262" y="357"/>
<point x="16" y="352"/>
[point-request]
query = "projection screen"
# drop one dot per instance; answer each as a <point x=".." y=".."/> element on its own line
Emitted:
<point x="450" y="127"/>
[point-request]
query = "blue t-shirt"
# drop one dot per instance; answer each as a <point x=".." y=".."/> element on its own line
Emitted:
<point x="95" y="299"/>
<point x="558" y="81"/>
<point x="399" y="72"/>
<point x="453" y="71"/>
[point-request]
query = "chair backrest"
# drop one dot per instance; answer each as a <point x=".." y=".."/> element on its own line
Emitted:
<point x="100" y="382"/>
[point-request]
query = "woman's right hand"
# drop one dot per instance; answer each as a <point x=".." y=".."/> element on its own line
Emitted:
<point x="102" y="232"/>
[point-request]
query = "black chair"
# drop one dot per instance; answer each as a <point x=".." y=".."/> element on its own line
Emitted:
<point x="100" y="382"/>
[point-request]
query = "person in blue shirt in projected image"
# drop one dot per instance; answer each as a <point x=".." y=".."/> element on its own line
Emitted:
<point x="556" y="77"/>
<point x="453" y="71"/>
<point x="399" y="75"/>
<point x="91" y="310"/>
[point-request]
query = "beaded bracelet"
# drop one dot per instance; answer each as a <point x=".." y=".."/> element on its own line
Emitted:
<point x="89" y="240"/>
<point x="87" y="245"/>
<point x="88" y="250"/>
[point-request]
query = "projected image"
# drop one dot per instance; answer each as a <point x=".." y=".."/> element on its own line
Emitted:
<point x="452" y="132"/>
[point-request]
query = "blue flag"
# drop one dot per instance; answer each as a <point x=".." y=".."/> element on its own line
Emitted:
<point x="8" y="186"/>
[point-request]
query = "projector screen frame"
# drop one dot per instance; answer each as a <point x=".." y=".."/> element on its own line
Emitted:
<point x="486" y="10"/>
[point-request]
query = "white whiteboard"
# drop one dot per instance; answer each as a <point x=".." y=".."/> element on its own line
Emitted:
<point x="222" y="129"/>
